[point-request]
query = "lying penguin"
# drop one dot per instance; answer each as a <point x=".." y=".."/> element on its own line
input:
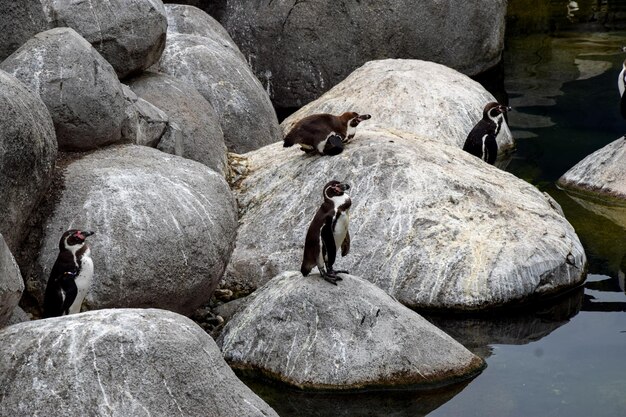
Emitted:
<point x="324" y="133"/>
<point x="71" y="275"/>
<point x="482" y="141"/>
<point x="328" y="233"/>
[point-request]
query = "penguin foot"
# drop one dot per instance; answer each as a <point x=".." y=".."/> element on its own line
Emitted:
<point x="332" y="279"/>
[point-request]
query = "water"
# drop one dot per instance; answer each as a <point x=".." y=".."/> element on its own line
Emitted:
<point x="564" y="357"/>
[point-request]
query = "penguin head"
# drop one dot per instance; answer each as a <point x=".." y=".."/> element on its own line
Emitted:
<point x="73" y="238"/>
<point x="335" y="189"/>
<point x="493" y="110"/>
<point x="353" y="119"/>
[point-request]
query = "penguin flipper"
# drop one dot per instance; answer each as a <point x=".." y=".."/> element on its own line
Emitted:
<point x="334" y="145"/>
<point x="328" y="240"/>
<point x="473" y="144"/>
<point x="53" y="301"/>
<point x="623" y="106"/>
<point x="54" y="296"/>
<point x="70" y="289"/>
<point x="345" y="245"/>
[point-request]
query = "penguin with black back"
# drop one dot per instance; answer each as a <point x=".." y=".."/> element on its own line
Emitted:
<point x="71" y="275"/>
<point x="324" y="133"/>
<point x="328" y="233"/>
<point x="621" y="85"/>
<point x="482" y="140"/>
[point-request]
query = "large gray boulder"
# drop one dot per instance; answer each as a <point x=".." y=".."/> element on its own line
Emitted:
<point x="421" y="97"/>
<point x="19" y="21"/>
<point x="145" y="124"/>
<point x="28" y="150"/>
<point x="202" y="136"/>
<point x="600" y="174"/>
<point x="223" y="77"/>
<point x="311" y="334"/>
<point x="165" y="228"/>
<point x="11" y="283"/>
<point x="430" y="224"/>
<point x="120" y="362"/>
<point x="18" y="316"/>
<point x="130" y="34"/>
<point x="79" y="87"/>
<point x="190" y="20"/>
<point x="299" y="50"/>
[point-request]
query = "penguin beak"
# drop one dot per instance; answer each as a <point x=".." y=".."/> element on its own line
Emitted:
<point x="364" y="117"/>
<point x="505" y="109"/>
<point x="343" y="186"/>
<point x="88" y="233"/>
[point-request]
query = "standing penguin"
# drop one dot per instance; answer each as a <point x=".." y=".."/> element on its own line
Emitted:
<point x="328" y="232"/>
<point x="482" y="141"/>
<point x="621" y="85"/>
<point x="70" y="277"/>
<point x="324" y="133"/>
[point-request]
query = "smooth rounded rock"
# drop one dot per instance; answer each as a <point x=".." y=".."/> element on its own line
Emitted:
<point x="28" y="150"/>
<point x="79" y="87"/>
<point x="308" y="333"/>
<point x="600" y="174"/>
<point x="225" y="80"/>
<point x="120" y="362"/>
<point x="164" y="228"/>
<point x="129" y="34"/>
<point x="11" y="283"/>
<point x="202" y="136"/>
<point x="191" y="20"/>
<point x="432" y="225"/>
<point x="19" y="21"/>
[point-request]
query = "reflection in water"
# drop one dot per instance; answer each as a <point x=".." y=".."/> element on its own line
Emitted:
<point x="604" y="293"/>
<point x="614" y="213"/>
<point x="553" y="16"/>
<point x="401" y="403"/>
<point x="601" y="229"/>
<point x="525" y="325"/>
<point x="538" y="66"/>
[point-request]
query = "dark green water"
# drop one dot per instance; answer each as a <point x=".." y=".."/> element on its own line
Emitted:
<point x="567" y="356"/>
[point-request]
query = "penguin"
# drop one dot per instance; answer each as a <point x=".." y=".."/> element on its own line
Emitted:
<point x="328" y="232"/>
<point x="621" y="85"/>
<point x="482" y="140"/>
<point x="71" y="275"/>
<point x="324" y="133"/>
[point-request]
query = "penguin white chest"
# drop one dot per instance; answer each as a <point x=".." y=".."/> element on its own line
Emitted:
<point x="341" y="228"/>
<point x="621" y="82"/>
<point x="503" y="128"/>
<point x="83" y="281"/>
